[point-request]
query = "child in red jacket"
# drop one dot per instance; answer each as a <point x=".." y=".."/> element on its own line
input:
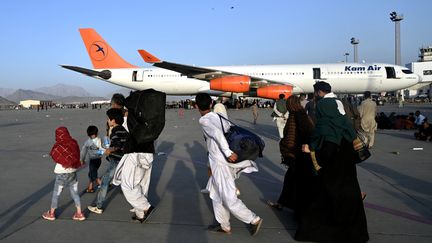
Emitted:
<point x="66" y="155"/>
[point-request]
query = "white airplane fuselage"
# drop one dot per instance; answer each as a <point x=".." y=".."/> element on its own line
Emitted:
<point x="343" y="77"/>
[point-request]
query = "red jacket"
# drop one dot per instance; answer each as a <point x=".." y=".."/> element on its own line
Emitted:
<point x="65" y="151"/>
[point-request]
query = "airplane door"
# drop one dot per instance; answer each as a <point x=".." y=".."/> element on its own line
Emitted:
<point x="316" y="73"/>
<point x="137" y="76"/>
<point x="390" y="72"/>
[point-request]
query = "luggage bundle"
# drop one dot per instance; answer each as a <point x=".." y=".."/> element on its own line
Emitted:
<point x="246" y="144"/>
<point x="146" y="114"/>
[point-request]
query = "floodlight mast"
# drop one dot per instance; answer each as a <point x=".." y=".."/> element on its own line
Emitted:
<point x="397" y="18"/>
<point x="355" y="42"/>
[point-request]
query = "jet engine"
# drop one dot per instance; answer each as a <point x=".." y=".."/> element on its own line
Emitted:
<point x="236" y="84"/>
<point x="272" y="91"/>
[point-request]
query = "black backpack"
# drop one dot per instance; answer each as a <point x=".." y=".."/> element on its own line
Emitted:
<point x="246" y="144"/>
<point x="146" y="114"/>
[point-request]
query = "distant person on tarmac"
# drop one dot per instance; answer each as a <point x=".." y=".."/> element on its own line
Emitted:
<point x="254" y="108"/>
<point x="281" y="114"/>
<point x="303" y="100"/>
<point x="368" y="111"/>
<point x="419" y="118"/>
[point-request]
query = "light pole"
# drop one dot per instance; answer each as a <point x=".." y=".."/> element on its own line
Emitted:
<point x="346" y="56"/>
<point x="355" y="42"/>
<point x="396" y="18"/>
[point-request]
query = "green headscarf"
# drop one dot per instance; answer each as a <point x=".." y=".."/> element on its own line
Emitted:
<point x="331" y="125"/>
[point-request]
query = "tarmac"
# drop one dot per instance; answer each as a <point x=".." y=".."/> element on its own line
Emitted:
<point x="397" y="180"/>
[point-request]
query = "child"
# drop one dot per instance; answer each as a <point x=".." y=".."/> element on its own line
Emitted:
<point x="221" y="183"/>
<point x="115" y="152"/>
<point x="65" y="154"/>
<point x="91" y="152"/>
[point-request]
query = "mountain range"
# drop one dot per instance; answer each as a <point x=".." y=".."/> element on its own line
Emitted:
<point x="59" y="93"/>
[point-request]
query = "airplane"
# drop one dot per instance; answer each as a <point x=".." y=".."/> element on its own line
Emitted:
<point x="263" y="81"/>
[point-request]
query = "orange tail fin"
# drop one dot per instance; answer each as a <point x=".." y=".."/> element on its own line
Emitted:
<point x="102" y="55"/>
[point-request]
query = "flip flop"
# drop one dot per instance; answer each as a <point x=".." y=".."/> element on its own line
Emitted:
<point x="217" y="229"/>
<point x="274" y="205"/>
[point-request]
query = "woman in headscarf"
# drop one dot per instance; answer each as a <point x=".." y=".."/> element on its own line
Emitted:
<point x="336" y="213"/>
<point x="299" y="181"/>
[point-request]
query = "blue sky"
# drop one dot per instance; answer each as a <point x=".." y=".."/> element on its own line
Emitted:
<point x="36" y="36"/>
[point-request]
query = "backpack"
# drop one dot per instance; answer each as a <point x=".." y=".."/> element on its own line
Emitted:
<point x="146" y="114"/>
<point x="246" y="144"/>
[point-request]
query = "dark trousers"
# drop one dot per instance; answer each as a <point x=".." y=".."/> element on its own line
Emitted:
<point x="93" y="169"/>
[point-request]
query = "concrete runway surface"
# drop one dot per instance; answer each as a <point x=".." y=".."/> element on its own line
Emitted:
<point x="397" y="179"/>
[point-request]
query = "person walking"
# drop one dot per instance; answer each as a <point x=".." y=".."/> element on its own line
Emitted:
<point x="367" y="111"/>
<point x="281" y="114"/>
<point x="299" y="181"/>
<point x="336" y="213"/>
<point x="254" y="108"/>
<point x="221" y="184"/>
<point x="65" y="153"/>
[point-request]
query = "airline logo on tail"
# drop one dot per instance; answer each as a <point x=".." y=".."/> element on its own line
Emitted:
<point x="101" y="53"/>
<point x="98" y="51"/>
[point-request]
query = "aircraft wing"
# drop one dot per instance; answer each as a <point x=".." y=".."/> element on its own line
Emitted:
<point x="206" y="74"/>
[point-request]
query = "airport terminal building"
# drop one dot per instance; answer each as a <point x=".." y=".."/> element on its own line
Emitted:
<point x="423" y="68"/>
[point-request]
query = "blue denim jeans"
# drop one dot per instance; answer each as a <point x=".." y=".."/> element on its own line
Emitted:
<point x="65" y="180"/>
<point x="106" y="179"/>
<point x="93" y="169"/>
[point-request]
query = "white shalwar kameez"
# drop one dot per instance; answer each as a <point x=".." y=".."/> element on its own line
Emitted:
<point x="133" y="174"/>
<point x="221" y="184"/>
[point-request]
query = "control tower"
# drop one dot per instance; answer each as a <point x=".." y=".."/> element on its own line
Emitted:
<point x="425" y="54"/>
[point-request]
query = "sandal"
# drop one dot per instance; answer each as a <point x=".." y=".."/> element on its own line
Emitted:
<point x="217" y="229"/>
<point x="363" y="195"/>
<point x="274" y="205"/>
<point x="89" y="190"/>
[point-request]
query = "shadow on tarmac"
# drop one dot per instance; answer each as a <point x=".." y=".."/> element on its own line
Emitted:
<point x="401" y="180"/>
<point x="181" y="210"/>
<point x="16" y="211"/>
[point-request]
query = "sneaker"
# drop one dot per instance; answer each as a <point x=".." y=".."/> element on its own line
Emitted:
<point x="132" y="210"/>
<point x="48" y="216"/>
<point x="217" y="228"/>
<point x="78" y="216"/>
<point x="204" y="191"/>
<point x="254" y="228"/>
<point x="95" y="209"/>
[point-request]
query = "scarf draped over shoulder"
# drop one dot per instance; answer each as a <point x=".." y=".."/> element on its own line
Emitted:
<point x="331" y="125"/>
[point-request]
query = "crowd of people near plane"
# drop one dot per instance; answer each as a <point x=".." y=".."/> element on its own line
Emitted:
<point x="319" y="142"/>
<point x="413" y="121"/>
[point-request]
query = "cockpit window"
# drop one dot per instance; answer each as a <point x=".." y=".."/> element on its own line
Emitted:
<point x="407" y="71"/>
